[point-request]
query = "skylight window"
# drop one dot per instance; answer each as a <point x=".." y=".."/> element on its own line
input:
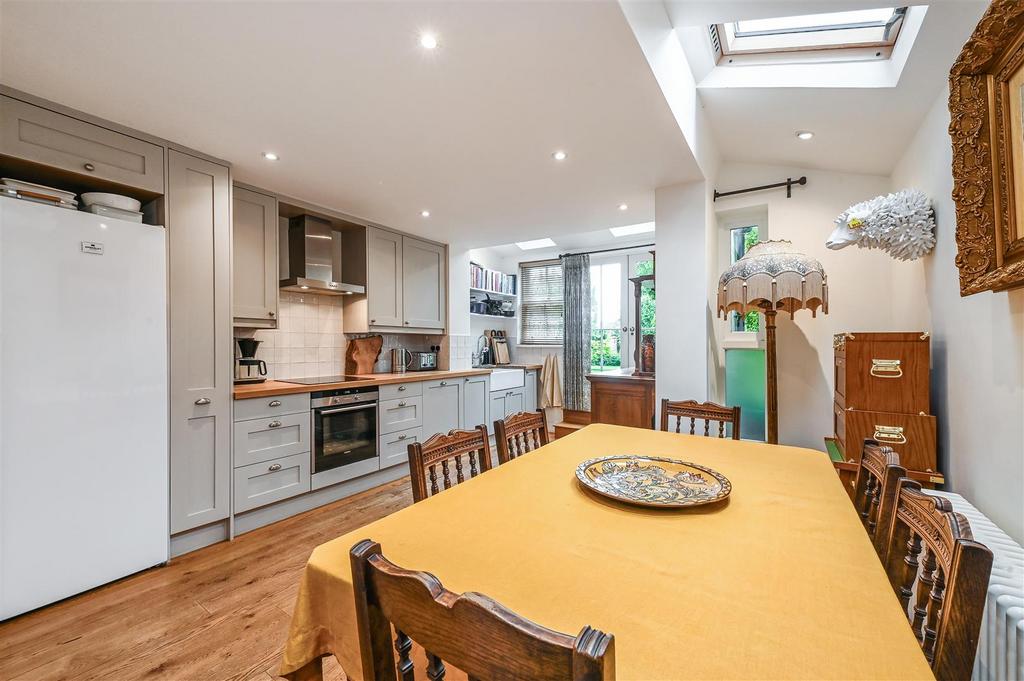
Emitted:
<point x="861" y="34"/>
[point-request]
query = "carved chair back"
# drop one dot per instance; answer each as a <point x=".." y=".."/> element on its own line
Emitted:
<point x="438" y="463"/>
<point x="878" y="478"/>
<point x="941" y="577"/>
<point x="706" y="411"/>
<point x="470" y="631"/>
<point x="520" y="433"/>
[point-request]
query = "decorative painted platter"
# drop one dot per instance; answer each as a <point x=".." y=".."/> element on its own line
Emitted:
<point x="653" y="481"/>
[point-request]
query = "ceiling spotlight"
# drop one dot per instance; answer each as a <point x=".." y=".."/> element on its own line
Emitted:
<point x="425" y="213"/>
<point x="304" y="287"/>
<point x="270" y="156"/>
<point x="428" y="41"/>
<point x="559" y="155"/>
<point x="804" y="134"/>
<point x="623" y="206"/>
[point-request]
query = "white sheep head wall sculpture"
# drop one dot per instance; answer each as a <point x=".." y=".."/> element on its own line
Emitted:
<point x="901" y="224"/>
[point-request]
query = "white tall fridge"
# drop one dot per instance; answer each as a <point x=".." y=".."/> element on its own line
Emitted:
<point x="83" y="402"/>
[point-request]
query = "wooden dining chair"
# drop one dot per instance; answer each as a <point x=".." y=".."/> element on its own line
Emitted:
<point x="446" y="452"/>
<point x="470" y="631"/>
<point x="941" y="577"/>
<point x="874" y="497"/>
<point x="708" y="411"/>
<point x="520" y="433"/>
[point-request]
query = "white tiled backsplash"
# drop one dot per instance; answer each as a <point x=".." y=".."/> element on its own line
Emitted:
<point x="308" y="340"/>
<point x="460" y="351"/>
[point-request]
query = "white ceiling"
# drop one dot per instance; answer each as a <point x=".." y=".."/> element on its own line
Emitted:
<point x="861" y="130"/>
<point x="366" y="121"/>
<point x="572" y="243"/>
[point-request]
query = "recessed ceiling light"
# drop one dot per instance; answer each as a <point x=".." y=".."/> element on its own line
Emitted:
<point x="623" y="206"/>
<point x="304" y="287"/>
<point x="536" y="243"/>
<point x="559" y="155"/>
<point x="428" y="41"/>
<point x="270" y="156"/>
<point x="425" y="213"/>
<point x="804" y="134"/>
<point x="629" y="230"/>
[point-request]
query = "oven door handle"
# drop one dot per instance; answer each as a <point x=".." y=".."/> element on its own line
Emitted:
<point x="328" y="412"/>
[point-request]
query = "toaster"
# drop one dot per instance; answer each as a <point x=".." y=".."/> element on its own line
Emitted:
<point x="422" y="361"/>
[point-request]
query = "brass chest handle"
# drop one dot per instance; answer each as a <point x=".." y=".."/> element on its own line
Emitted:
<point x="893" y="434"/>
<point x="886" y="368"/>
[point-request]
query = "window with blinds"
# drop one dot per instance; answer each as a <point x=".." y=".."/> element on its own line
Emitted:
<point x="540" y="306"/>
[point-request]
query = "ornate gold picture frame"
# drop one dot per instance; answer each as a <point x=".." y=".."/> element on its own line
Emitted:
<point x="986" y="87"/>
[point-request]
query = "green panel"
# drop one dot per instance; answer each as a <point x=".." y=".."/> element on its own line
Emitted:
<point x="745" y="388"/>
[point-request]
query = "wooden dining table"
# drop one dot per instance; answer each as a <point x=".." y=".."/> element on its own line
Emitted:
<point x="779" y="581"/>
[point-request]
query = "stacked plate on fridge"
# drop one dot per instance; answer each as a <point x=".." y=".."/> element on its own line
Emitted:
<point x="112" y="206"/>
<point x="38" y="193"/>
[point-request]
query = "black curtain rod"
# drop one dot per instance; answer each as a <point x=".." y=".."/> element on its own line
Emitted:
<point x="607" y="250"/>
<point x="788" y="184"/>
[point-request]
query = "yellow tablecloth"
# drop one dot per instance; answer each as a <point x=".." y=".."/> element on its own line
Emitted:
<point x="778" y="582"/>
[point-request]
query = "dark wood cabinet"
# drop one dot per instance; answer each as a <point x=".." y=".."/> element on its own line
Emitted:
<point x="622" y="399"/>
<point x="882" y="392"/>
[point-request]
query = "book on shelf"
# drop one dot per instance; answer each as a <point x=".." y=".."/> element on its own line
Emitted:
<point x="491" y="280"/>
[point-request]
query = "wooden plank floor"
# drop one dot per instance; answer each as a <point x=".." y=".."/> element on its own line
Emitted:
<point x="218" y="613"/>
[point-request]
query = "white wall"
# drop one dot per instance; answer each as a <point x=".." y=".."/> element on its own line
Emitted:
<point x="863" y="291"/>
<point x="977" y="350"/>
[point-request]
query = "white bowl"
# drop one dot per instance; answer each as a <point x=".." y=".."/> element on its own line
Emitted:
<point x="112" y="200"/>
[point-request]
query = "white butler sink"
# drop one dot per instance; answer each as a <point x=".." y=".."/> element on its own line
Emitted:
<point x="506" y="379"/>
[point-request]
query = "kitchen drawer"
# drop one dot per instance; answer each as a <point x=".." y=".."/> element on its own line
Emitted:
<point x="400" y="414"/>
<point x="263" y="407"/>
<point x="43" y="136"/>
<point x="272" y="437"/>
<point x="394" y="447"/>
<point x="839" y="424"/>
<point x="911" y="436"/>
<point x="264" y="483"/>
<point x="399" y="390"/>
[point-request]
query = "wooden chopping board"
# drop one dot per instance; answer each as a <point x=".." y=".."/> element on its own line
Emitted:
<point x="362" y="353"/>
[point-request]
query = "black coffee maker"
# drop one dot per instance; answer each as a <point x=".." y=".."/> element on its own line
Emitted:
<point x="248" y="369"/>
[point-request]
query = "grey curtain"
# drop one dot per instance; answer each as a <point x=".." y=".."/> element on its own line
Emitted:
<point x="576" y="343"/>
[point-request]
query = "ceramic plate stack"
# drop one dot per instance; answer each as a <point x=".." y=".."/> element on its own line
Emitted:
<point x="112" y="206"/>
<point x="37" y="193"/>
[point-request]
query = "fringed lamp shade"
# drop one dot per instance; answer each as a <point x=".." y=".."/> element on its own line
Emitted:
<point x="773" y="276"/>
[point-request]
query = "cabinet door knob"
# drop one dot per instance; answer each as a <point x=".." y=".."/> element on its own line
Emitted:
<point x="202" y="401"/>
<point x="444" y="382"/>
<point x="274" y="467"/>
<point x="274" y="403"/>
<point x="402" y="437"/>
<point x="270" y="313"/>
<point x="373" y="321"/>
<point x="274" y="424"/>
<point x="406" y="323"/>
<point x="401" y="388"/>
<point x="90" y="167"/>
<point x="401" y="404"/>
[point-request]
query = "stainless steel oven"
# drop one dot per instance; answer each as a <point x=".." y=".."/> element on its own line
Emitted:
<point x="344" y="427"/>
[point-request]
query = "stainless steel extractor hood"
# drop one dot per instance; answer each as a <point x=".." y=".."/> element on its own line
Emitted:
<point x="314" y="258"/>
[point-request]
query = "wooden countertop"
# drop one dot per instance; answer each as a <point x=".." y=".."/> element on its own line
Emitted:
<point x="271" y="388"/>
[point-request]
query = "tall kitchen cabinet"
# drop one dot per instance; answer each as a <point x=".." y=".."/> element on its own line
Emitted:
<point x="406" y="286"/>
<point x="255" y="280"/>
<point x="198" y="215"/>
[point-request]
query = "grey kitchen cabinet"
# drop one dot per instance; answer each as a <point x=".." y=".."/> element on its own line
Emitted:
<point x="264" y="483"/>
<point x="198" y="212"/>
<point x="384" y="278"/>
<point x="424" y="275"/>
<point x="394" y="447"/>
<point x="42" y="136"/>
<point x="496" y="405"/>
<point x="515" y="402"/>
<point x="442" y="406"/>
<point x="530" y="390"/>
<point x="400" y="414"/>
<point x="258" y="440"/>
<point x="406" y="286"/>
<point x="254" y="240"/>
<point x="476" y="401"/>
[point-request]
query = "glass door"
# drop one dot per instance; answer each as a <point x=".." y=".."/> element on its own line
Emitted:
<point x="609" y="320"/>
<point x="639" y="264"/>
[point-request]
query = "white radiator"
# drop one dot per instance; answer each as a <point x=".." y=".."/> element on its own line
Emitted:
<point x="1001" y="645"/>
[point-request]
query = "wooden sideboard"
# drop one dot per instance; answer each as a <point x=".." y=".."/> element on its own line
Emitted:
<point x="620" y="398"/>
<point x="882" y="392"/>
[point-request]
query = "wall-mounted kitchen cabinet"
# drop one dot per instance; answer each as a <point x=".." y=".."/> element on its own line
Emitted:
<point x="254" y="253"/>
<point x="198" y="236"/>
<point x="406" y="286"/>
<point x="51" y="139"/>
